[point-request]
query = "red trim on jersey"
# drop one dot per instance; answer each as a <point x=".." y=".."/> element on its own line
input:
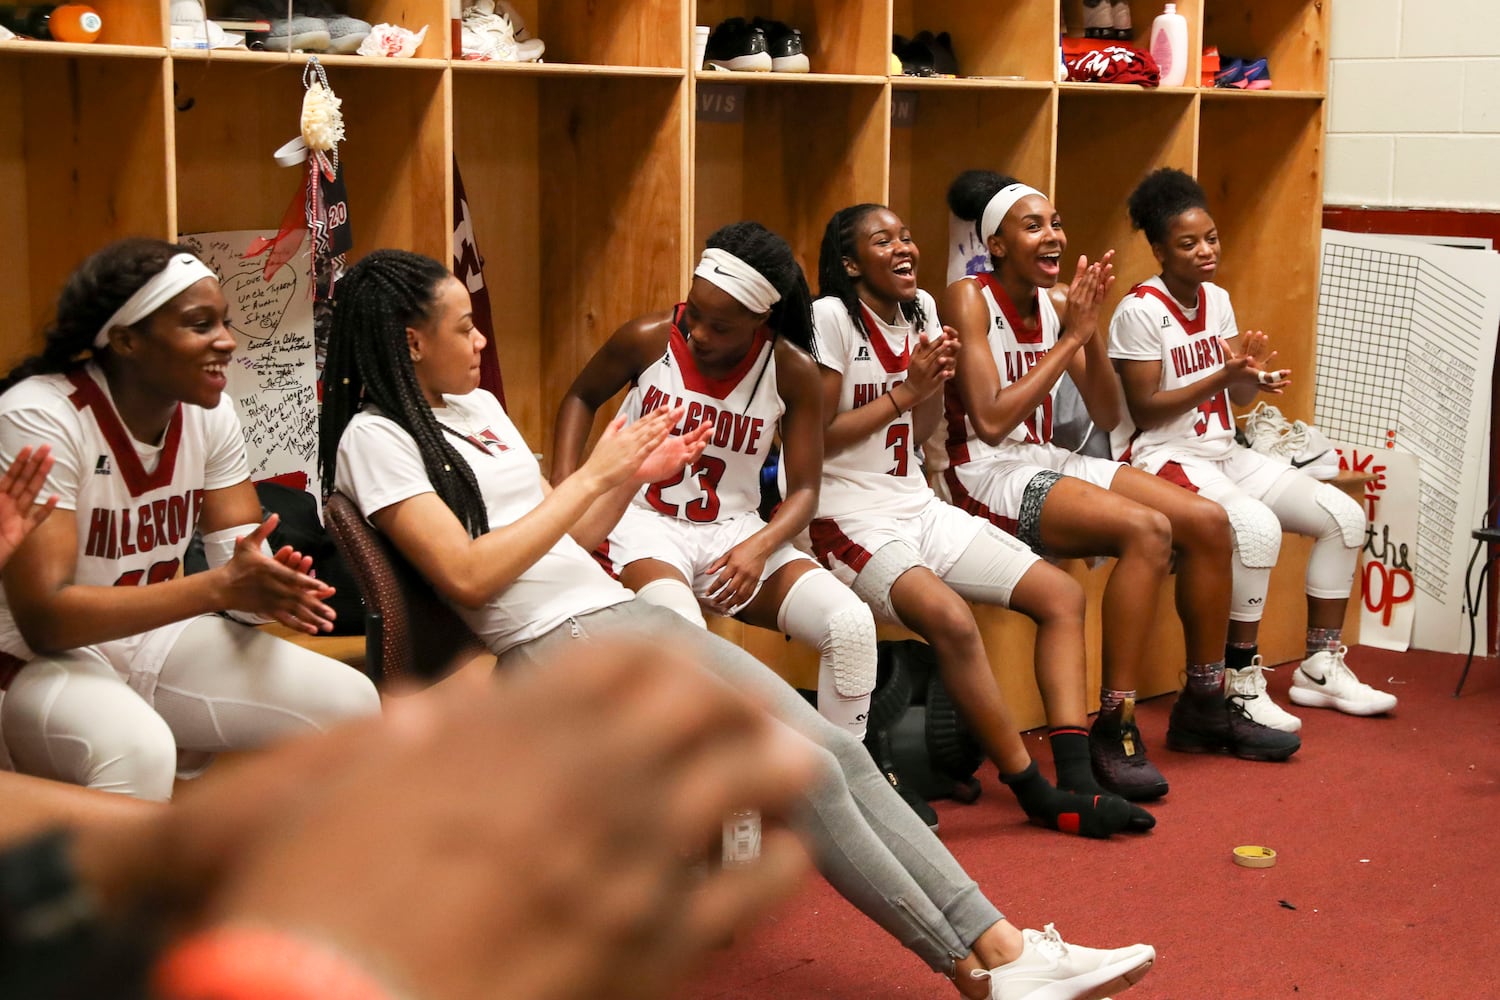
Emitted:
<point x="892" y="362"/>
<point x="606" y="562"/>
<point x="969" y="504"/>
<point x="1025" y="332"/>
<point x="1191" y="327"/>
<point x="86" y="393"/>
<point x="694" y="380"/>
<point x="1174" y="473"/>
<point x="829" y="543"/>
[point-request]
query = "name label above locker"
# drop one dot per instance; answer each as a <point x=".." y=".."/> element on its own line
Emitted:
<point x="903" y="109"/>
<point x="721" y="103"/>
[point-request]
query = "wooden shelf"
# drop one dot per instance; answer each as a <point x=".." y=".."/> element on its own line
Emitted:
<point x="594" y="177"/>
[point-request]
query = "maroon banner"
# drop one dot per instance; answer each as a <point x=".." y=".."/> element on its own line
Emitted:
<point x="468" y="267"/>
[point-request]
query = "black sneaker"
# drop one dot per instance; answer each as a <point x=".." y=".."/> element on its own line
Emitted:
<point x="1119" y="757"/>
<point x="785" y="45"/>
<point x="738" y="45"/>
<point x="1220" y="725"/>
<point x="878" y="743"/>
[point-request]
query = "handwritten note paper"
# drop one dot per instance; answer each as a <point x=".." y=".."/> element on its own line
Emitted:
<point x="1391" y="562"/>
<point x="273" y="375"/>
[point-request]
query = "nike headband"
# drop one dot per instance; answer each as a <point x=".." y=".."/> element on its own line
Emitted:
<point x="745" y="284"/>
<point x="999" y="207"/>
<point x="181" y="273"/>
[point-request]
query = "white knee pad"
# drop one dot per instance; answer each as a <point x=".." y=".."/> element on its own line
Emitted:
<point x="1346" y="513"/>
<point x="1257" y="532"/>
<point x="824" y="613"/>
<point x="1330" y="567"/>
<point x="874" y="582"/>
<point x="674" y="595"/>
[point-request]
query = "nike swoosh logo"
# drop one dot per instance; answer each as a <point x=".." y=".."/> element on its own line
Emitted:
<point x="720" y="270"/>
<point x="1320" y="681"/>
<point x="1306" y="461"/>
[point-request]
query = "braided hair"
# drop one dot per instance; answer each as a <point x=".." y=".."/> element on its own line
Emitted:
<point x="90" y="296"/>
<point x="1160" y="198"/>
<point x="369" y="362"/>
<point x="834" y="280"/>
<point x="968" y="195"/>
<point x="772" y="257"/>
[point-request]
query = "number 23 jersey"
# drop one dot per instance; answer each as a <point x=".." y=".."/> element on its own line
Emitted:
<point x="744" y="408"/>
<point x="1150" y="325"/>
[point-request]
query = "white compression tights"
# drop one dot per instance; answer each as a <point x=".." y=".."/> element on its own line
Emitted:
<point x="823" y="613"/>
<point x="72" y="717"/>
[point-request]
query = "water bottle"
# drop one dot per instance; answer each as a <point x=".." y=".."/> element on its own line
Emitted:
<point x="741" y="838"/>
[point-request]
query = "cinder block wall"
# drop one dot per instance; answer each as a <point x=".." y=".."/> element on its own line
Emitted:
<point x="1414" y="104"/>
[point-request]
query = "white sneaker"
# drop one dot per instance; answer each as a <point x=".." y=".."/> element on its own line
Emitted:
<point x="1249" y="686"/>
<point x="1325" y="681"/>
<point x="1051" y="969"/>
<point x="1295" y="442"/>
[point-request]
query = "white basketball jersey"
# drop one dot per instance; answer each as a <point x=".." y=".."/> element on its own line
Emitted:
<point x="883" y="472"/>
<point x="1150" y="325"/>
<point x="744" y="408"/>
<point x="1016" y="347"/>
<point x="136" y="506"/>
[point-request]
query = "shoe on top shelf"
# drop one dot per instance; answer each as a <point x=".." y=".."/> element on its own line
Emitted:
<point x="784" y="43"/>
<point x="738" y="45"/>
<point x="299" y="34"/>
<point x="345" y="33"/>
<point x="492" y="31"/>
<point x="926" y="54"/>
<point x="1098" y="19"/>
<point x="1120" y="15"/>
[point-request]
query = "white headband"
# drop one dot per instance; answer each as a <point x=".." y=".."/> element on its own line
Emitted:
<point x="1000" y="206"/>
<point x="744" y="283"/>
<point x="182" y="272"/>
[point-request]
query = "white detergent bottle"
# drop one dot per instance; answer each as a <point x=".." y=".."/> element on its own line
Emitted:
<point x="1169" y="46"/>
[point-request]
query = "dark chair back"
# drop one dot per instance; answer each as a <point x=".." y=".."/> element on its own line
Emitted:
<point x="409" y="630"/>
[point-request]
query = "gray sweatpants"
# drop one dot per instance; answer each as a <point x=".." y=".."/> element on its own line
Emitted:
<point x="866" y="841"/>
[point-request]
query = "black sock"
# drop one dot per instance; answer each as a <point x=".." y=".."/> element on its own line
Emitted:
<point x="1237" y="656"/>
<point x="1070" y="755"/>
<point x="1089" y="815"/>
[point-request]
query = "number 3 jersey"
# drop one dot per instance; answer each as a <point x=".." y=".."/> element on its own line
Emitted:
<point x="136" y="505"/>
<point x="881" y="474"/>
<point x="744" y="408"/>
<point x="1150" y="325"/>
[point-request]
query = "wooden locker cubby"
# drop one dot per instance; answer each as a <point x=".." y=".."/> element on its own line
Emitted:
<point x="593" y="178"/>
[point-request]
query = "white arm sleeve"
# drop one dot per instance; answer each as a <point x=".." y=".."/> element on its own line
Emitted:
<point x="218" y="549"/>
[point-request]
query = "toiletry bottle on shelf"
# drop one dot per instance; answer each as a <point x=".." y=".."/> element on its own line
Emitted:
<point x="1169" y="46"/>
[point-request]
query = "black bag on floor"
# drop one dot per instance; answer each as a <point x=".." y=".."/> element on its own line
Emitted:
<point x="915" y="729"/>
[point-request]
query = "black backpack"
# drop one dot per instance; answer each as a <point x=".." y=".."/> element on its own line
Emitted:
<point x="915" y="729"/>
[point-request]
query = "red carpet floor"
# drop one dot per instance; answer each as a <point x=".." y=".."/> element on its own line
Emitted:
<point x="1387" y="884"/>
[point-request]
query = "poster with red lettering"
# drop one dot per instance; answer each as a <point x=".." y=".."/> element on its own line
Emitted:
<point x="1389" y="561"/>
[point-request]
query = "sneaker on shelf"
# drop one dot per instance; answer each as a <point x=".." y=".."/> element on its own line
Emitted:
<point x="1230" y="72"/>
<point x="736" y="44"/>
<point x="1051" y="969"/>
<point x="1124" y="31"/>
<point x="785" y="45"/>
<point x="299" y="34"/>
<point x="1215" y="724"/>
<point x="345" y="33"/>
<point x="1098" y="19"/>
<point x="1254" y="75"/>
<point x="191" y="28"/>
<point x="1119" y="757"/>
<point x="1249" y="686"/>
<point x="493" y="32"/>
<point x="1324" y="680"/>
